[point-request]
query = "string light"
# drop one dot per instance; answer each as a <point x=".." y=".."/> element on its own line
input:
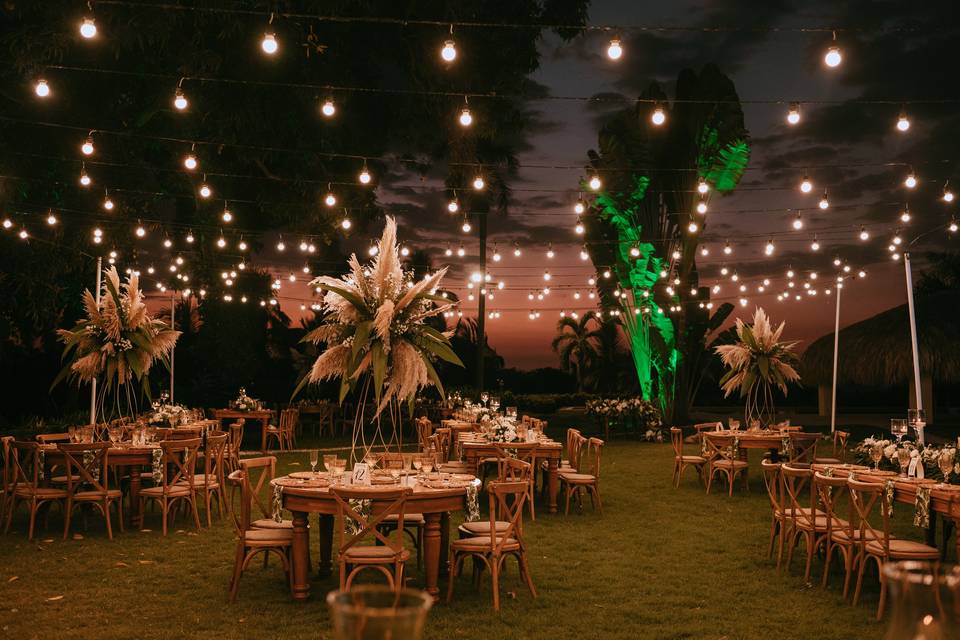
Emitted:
<point x="85" y="177"/>
<point x="404" y="251"/>
<point x="805" y="185"/>
<point x="449" y="51"/>
<point x="635" y="251"/>
<point x="328" y="109"/>
<point x="824" y="202"/>
<point x="365" y="177"/>
<point x="23" y="234"/>
<point x="180" y="102"/>
<point x="516" y="250"/>
<point x="88" y="29"/>
<point x="41" y="88"/>
<point x="167" y="243"/>
<point x="595" y="182"/>
<point x="190" y="162"/>
<point x="702" y="186"/>
<point x="550" y="253"/>
<point x="87" y="147"/>
<point x="496" y="254"/>
<point x="269" y="44"/>
<point x="330" y="199"/>
<point x="546" y="275"/>
<point x="947" y="194"/>
<point x="205" y="190"/>
<point x="478" y="183"/>
<point x="465" y="227"/>
<point x="910" y="182"/>
<point x="615" y="49"/>
<point x="579" y="228"/>
<point x="727" y="249"/>
<point x="453" y="206"/>
<point x="903" y="122"/>
<point x="281" y="246"/>
<point x="466" y="118"/>
<point x="793" y="115"/>
<point x="140" y="231"/>
<point x="97" y="236"/>
<point x="704" y="251"/>
<point x="833" y="57"/>
<point x="693" y="227"/>
<point x="702" y="207"/>
<point x="798" y="222"/>
<point x="107" y="203"/>
<point x="953" y="225"/>
<point x="815" y="245"/>
<point x="584" y="255"/>
<point x="226" y="216"/>
<point x="189" y="237"/>
<point x="905" y="214"/>
<point x="7" y="223"/>
<point x="769" y="248"/>
<point x="449" y="251"/>
<point x="579" y="206"/>
<point x="864" y="234"/>
<point x="658" y="117"/>
<point x="345" y="224"/>
<point x="51" y="219"/>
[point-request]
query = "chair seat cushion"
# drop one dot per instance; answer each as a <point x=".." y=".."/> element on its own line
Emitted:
<point x="373" y="552"/>
<point x="904" y="549"/>
<point x="693" y="459"/>
<point x="277" y="536"/>
<point x="175" y="491"/>
<point x="482" y="527"/>
<point x="577" y="477"/>
<point x="482" y="543"/>
<point x="199" y="481"/>
<point x="95" y="496"/>
<point x="44" y="493"/>
<point x="819" y="523"/>
<point x="730" y="464"/>
<point x="409" y="519"/>
<point x="840" y="535"/>
<point x="270" y="523"/>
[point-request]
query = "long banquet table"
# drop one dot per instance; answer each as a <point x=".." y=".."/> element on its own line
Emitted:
<point x="262" y="416"/>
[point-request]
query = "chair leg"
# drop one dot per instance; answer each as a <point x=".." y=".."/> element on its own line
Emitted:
<point x="33" y="519"/>
<point x="495" y="577"/>
<point x="525" y="573"/>
<point x="452" y="578"/>
<point x="106" y="516"/>
<point x="67" y="513"/>
<point x="709" y="479"/>
<point x="237" y="571"/>
<point x="883" y="591"/>
<point x="849" y="561"/>
<point x="826" y="562"/>
<point x="863" y="565"/>
<point x="811" y="547"/>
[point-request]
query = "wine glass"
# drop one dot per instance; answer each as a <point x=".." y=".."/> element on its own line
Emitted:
<point x="314" y="458"/>
<point x="339" y="466"/>
<point x="903" y="457"/>
<point x="898" y="427"/>
<point x="945" y="461"/>
<point x="495" y="403"/>
<point x="417" y="464"/>
<point x="484" y="397"/>
<point x="876" y="454"/>
<point x="426" y="463"/>
<point x="917" y="419"/>
<point x="329" y="462"/>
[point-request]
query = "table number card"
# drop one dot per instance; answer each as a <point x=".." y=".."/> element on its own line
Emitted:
<point x="361" y="474"/>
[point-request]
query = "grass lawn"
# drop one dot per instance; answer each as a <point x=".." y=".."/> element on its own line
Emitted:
<point x="662" y="563"/>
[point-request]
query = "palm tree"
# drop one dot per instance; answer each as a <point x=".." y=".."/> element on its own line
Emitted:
<point x="577" y="349"/>
<point x="607" y="336"/>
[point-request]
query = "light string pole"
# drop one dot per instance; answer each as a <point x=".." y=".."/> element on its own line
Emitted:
<point x="173" y="307"/>
<point x="918" y="393"/>
<point x="93" y="383"/>
<point x="836" y="346"/>
<point x="482" y="301"/>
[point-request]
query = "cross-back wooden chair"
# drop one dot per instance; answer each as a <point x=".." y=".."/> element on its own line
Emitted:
<point x="387" y="551"/>
<point x="838" y="454"/>
<point x="178" y="462"/>
<point x="285" y="432"/>
<point x="424" y="431"/>
<point x="88" y="463"/>
<point x="681" y="461"/>
<point x="803" y="447"/>
<point x="843" y="534"/>
<point x="6" y="443"/>
<point x="586" y="477"/>
<point x="876" y="543"/>
<point x="510" y="470"/>
<point x="327" y="419"/>
<point x="570" y="461"/>
<point x="56" y="476"/>
<point x="210" y="484"/>
<point x="525" y="452"/>
<point x="506" y="505"/>
<point x="804" y="518"/>
<point x="391" y="460"/>
<point x="253" y="540"/>
<point x="235" y="429"/>
<point x="259" y="472"/>
<point x="778" y="519"/>
<point x="26" y="486"/>
<point x="723" y="458"/>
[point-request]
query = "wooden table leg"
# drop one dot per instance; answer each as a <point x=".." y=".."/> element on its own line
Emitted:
<point x="431" y="552"/>
<point x="301" y="542"/>
<point x="553" y="479"/>
<point x="263" y="436"/>
<point x="326" y="544"/>
<point x="136" y="517"/>
<point x="444" y="541"/>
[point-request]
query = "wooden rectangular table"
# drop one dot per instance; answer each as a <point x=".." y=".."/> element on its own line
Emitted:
<point x="263" y="416"/>
<point x="474" y="452"/>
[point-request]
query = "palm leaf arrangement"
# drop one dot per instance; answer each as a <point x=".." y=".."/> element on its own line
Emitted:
<point x="374" y="326"/>
<point x="117" y="343"/>
<point x="758" y="361"/>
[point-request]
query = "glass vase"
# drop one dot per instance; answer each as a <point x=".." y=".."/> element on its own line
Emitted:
<point x="378" y="613"/>
<point x="923" y="600"/>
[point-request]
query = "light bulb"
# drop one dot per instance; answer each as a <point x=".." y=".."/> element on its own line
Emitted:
<point x="704" y="251"/>
<point x="584" y="255"/>
<point x="579" y="228"/>
<point x="190" y="162"/>
<point x="905" y="215"/>
<point x="952" y="227"/>
<point x="87" y="147"/>
<point x="615" y="49"/>
<point x="51" y="219"/>
<point x="466" y="118"/>
<point x="635" y="251"/>
<point x="346" y="224"/>
<point x="864" y="234"/>
<point x="404" y="251"/>
<point x="465" y="227"/>
<point x="453" y="206"/>
<point x="7" y="223"/>
<point x="693" y="227"/>
<point x="727" y="249"/>
<point x="546" y="276"/>
<point x="88" y="28"/>
<point x="23" y="234"/>
<point x="658" y="117"/>
<point x="269" y="43"/>
<point x="461" y="251"/>
<point x="478" y="183"/>
<point x="815" y="245"/>
<point x="550" y="253"/>
<point x="189" y="237"/>
<point x="723" y="270"/>
<point x="167" y="242"/>
<point x="793" y="115"/>
<point x="328" y="109"/>
<point x="702" y="186"/>
<point x="947" y="195"/>
<point x="205" y="190"/>
<point x="448" y="252"/>
<point x="226" y="216"/>
<point x="910" y="181"/>
<point x="330" y="200"/>
<point x="179" y="100"/>
<point x="676" y="254"/>
<point x="743" y="302"/>
<point x="903" y="122"/>
<point x="496" y="255"/>
<point x="242" y="246"/>
<point x="449" y="51"/>
<point x="85" y="178"/>
<point x="141" y="232"/>
<point x="702" y="207"/>
<point x="579" y="207"/>
<point x="516" y="252"/>
<point x="824" y="202"/>
<point x="805" y="185"/>
<point x="798" y="222"/>
<point x="281" y="246"/>
<point x="833" y="58"/>
<point x="769" y="248"/>
<point x="365" y="176"/>
<point x="108" y="204"/>
<point x="42" y="89"/>
<point x="595" y="183"/>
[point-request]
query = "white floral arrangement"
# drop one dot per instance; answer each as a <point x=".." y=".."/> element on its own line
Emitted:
<point x="928" y="455"/>
<point x="170" y="415"/>
<point x="503" y="429"/>
<point x="245" y="402"/>
<point x="646" y="412"/>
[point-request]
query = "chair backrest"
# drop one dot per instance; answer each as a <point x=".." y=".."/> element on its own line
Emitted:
<point x="53" y="438"/>
<point x="183" y="433"/>
<point x="383" y="503"/>
<point x="774" y="484"/>
<point x="719" y="444"/>
<point x="676" y="439"/>
<point x="440" y="442"/>
<point x="840" y="444"/>
<point x="575" y="450"/>
<point x="424" y="431"/>
<point x="864" y="496"/>
<point x="803" y="446"/>
<point x="798" y="494"/>
<point x="572" y="435"/>
<point x="86" y="466"/>
<point x="392" y="460"/>
<point x="513" y="469"/>
<point x="289" y="419"/>
<point x="591" y="459"/>
<point x="506" y="505"/>
<point x="213" y="457"/>
<point x="700" y="427"/>
<point x="241" y="515"/>
<point x="830" y="492"/>
<point x="24" y="464"/>
<point x="178" y="462"/>
<point x="524" y="451"/>
<point x="258" y="472"/>
<point x="236" y="436"/>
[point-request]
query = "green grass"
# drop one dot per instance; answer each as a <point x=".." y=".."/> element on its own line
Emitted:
<point x="662" y="563"/>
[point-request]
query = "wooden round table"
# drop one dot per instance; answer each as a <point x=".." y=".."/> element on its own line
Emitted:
<point x="434" y="504"/>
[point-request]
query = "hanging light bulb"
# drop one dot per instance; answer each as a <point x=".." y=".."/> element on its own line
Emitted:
<point x="242" y="246"/>
<point x="727" y="249"/>
<point x="108" y="203"/>
<point x="465" y="227"/>
<point x="84" y="177"/>
<point x="676" y="254"/>
<point x="615" y="49"/>
<point x="496" y="254"/>
<point x="864" y="234"/>
<point x="189" y="237"/>
<point x="702" y="207"/>
<point x="905" y="214"/>
<point x="205" y="190"/>
<point x="466" y="118"/>
<point x="516" y="251"/>
<point x="190" y="162"/>
<point x="824" y="202"/>
<point x="328" y="108"/>
<point x="584" y="255"/>
<point x="793" y="114"/>
<point x="947" y="194"/>
<point x="269" y="44"/>
<point x="478" y="182"/>
<point x="448" y="252"/>
<point x="702" y="186"/>
<point x="453" y="205"/>
<point x="23" y="234"/>
<point x="461" y="251"/>
<point x="798" y="222"/>
<point x="579" y="207"/>
<point x="550" y="252"/>
<point x="724" y="270"/>
<point x="805" y="185"/>
<point x="88" y="29"/>
<point x="404" y="251"/>
<point x="281" y="246"/>
<point x="910" y="182"/>
<point x="953" y="225"/>
<point x="345" y="224"/>
<point x="51" y="219"/>
<point x="579" y="228"/>
<point x="226" y="216"/>
<point x="595" y="182"/>
<point x="547" y="276"/>
<point x="41" y="88"/>
<point x="704" y="251"/>
<point x="903" y="122"/>
<point x="87" y="147"/>
<point x="140" y="231"/>
<point x="658" y="117"/>
<point x="897" y="240"/>
<point x="815" y="245"/>
<point x="769" y="248"/>
<point x="449" y="51"/>
<point x="832" y="58"/>
<point x="180" y="102"/>
<point x="365" y="177"/>
<point x="693" y="227"/>
<point x="635" y="251"/>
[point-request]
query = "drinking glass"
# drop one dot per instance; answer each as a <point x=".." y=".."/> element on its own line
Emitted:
<point x="484" y="397"/>
<point x="494" y="403"/>
<point x="417" y="464"/>
<point x="924" y="600"/>
<point x="917" y="419"/>
<point x="945" y="461"/>
<point x="339" y="466"/>
<point x="371" y="459"/>
<point x="903" y="457"/>
<point x="376" y="612"/>
<point x="329" y="461"/>
<point x="314" y="458"/>
<point x="876" y="454"/>
<point x="114" y="434"/>
<point x="426" y="463"/>
<point x="898" y="427"/>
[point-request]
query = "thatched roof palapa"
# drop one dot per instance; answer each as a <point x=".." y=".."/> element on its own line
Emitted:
<point x="876" y="351"/>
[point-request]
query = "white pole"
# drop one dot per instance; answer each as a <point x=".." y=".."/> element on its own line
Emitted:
<point x="913" y="338"/>
<point x="173" y="304"/>
<point x="93" y="384"/>
<point x="836" y="344"/>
